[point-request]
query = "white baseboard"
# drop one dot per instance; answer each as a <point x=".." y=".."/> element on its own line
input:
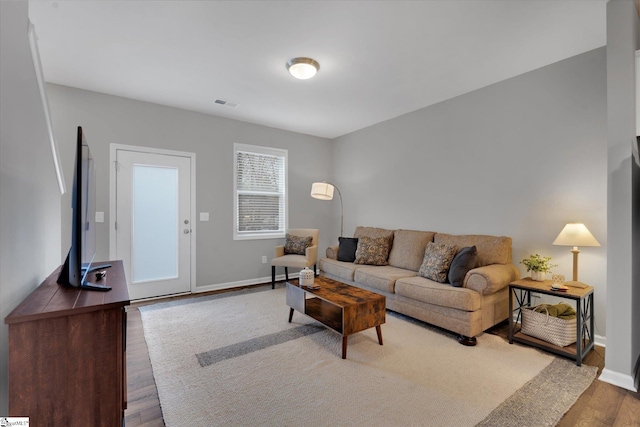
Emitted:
<point x="619" y="380"/>
<point x="238" y="284"/>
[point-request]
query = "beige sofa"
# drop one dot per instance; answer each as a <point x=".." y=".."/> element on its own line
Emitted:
<point x="479" y="304"/>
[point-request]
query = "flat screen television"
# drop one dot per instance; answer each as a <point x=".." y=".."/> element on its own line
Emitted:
<point x="79" y="261"/>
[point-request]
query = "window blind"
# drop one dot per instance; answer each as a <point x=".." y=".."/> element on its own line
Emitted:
<point x="260" y="192"/>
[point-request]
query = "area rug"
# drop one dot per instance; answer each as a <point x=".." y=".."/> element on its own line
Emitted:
<point x="234" y="360"/>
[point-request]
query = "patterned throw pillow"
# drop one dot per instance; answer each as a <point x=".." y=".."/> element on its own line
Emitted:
<point x="297" y="245"/>
<point x="373" y="251"/>
<point x="437" y="260"/>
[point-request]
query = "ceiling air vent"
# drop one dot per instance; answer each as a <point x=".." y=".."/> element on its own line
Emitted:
<point x="226" y="103"/>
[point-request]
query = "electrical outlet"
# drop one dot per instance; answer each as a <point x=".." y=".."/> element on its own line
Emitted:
<point x="264" y="259"/>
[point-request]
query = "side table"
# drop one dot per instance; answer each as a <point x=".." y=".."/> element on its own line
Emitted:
<point x="583" y="297"/>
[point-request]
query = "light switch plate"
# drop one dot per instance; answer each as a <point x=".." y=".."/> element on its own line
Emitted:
<point x="204" y="216"/>
<point x="99" y="216"/>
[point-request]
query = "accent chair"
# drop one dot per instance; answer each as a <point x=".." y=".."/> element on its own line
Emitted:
<point x="296" y="260"/>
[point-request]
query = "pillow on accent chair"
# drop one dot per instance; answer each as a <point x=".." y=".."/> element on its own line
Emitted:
<point x="464" y="261"/>
<point x="297" y="245"/>
<point x="437" y="260"/>
<point x="373" y="251"/>
<point x="347" y="249"/>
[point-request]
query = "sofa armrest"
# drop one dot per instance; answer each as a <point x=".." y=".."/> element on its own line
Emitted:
<point x="491" y="278"/>
<point x="278" y="251"/>
<point x="312" y="253"/>
<point x="332" y="252"/>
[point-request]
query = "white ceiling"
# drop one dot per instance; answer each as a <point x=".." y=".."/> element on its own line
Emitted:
<point x="378" y="59"/>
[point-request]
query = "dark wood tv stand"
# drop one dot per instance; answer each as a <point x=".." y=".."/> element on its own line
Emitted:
<point x="67" y="354"/>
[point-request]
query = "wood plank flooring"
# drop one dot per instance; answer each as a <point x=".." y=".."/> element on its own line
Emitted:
<point x="600" y="405"/>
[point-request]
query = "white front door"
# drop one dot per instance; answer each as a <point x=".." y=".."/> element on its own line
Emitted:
<point x="153" y="224"/>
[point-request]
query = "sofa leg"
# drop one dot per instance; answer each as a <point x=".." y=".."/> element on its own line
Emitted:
<point x="286" y="273"/>
<point x="273" y="277"/>
<point x="468" y="341"/>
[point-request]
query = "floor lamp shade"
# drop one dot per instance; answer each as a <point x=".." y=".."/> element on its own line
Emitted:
<point x="575" y="234"/>
<point x="324" y="191"/>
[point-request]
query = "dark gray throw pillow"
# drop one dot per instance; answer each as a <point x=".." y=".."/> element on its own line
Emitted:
<point x="347" y="249"/>
<point x="464" y="261"/>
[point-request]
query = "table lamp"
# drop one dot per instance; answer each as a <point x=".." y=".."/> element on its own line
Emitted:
<point x="324" y="191"/>
<point x="575" y="234"/>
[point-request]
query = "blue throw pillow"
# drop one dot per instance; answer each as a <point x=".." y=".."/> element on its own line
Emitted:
<point x="347" y="249"/>
<point x="464" y="261"/>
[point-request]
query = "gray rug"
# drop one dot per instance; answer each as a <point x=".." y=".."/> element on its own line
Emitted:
<point x="234" y="360"/>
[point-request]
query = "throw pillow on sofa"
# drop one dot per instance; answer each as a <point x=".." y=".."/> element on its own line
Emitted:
<point x="437" y="260"/>
<point x="464" y="261"/>
<point x="347" y="249"/>
<point x="297" y="245"/>
<point x="373" y="251"/>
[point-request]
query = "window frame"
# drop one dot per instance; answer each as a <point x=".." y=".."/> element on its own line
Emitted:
<point x="260" y="150"/>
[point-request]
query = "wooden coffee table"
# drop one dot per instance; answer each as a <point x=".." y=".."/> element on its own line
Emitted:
<point x="342" y="308"/>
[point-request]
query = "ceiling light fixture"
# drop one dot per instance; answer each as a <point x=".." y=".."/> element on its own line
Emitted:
<point x="302" y="68"/>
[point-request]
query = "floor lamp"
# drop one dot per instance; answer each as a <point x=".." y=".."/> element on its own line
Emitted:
<point x="324" y="191"/>
<point x="574" y="234"/>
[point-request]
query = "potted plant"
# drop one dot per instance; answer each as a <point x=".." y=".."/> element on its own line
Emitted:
<point x="538" y="266"/>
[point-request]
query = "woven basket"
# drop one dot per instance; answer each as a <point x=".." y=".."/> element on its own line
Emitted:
<point x="557" y="331"/>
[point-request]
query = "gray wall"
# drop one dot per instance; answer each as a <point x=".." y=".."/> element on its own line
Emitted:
<point x="519" y="158"/>
<point x="29" y="194"/>
<point x="220" y="260"/>
<point x="623" y="331"/>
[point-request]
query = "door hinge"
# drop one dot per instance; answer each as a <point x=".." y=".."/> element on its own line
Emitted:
<point x="116" y="165"/>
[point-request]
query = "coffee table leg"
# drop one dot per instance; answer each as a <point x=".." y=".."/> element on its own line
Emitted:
<point x="290" y="314"/>
<point x="379" y="331"/>
<point x="345" y="338"/>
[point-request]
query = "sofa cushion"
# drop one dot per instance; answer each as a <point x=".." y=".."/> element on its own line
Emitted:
<point x="381" y="278"/>
<point x="408" y="248"/>
<point x="339" y="269"/>
<point x="297" y="245"/>
<point x="437" y="260"/>
<point x="491" y="249"/>
<point x="442" y="294"/>
<point x="464" y="261"/>
<point x="373" y="251"/>
<point x="347" y="249"/>
<point x="373" y="232"/>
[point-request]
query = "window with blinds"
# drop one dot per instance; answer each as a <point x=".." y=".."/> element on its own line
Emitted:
<point x="260" y="181"/>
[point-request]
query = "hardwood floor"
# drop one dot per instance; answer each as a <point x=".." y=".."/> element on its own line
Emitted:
<point x="143" y="406"/>
<point x="600" y="405"/>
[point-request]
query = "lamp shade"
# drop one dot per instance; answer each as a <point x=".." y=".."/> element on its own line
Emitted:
<point x="575" y="234"/>
<point x="322" y="190"/>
